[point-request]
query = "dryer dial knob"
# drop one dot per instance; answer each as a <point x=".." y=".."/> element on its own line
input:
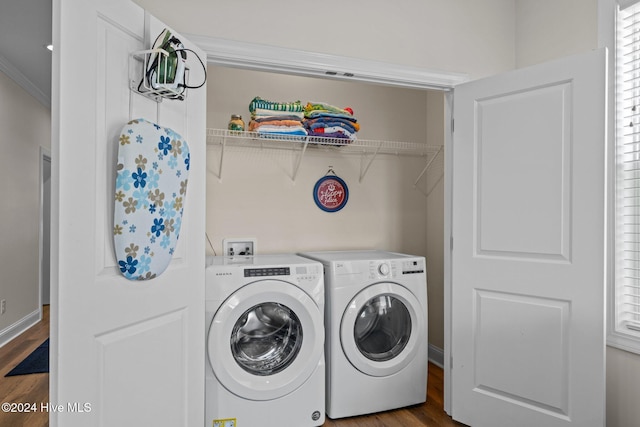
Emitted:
<point x="383" y="269"/>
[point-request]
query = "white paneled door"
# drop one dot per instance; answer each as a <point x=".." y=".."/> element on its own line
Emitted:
<point x="528" y="258"/>
<point x="123" y="353"/>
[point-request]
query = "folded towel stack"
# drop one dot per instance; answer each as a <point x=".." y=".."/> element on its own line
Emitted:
<point x="328" y="121"/>
<point x="276" y="118"/>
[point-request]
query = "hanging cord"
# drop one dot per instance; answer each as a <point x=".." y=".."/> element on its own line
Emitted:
<point x="204" y="69"/>
<point x="210" y="244"/>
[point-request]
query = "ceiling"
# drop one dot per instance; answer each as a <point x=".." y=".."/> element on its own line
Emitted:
<point x="25" y="30"/>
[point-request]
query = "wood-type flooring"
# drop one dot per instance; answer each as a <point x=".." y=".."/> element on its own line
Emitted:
<point x="34" y="389"/>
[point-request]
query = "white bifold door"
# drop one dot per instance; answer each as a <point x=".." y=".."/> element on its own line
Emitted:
<point x="528" y="257"/>
<point x="123" y="353"/>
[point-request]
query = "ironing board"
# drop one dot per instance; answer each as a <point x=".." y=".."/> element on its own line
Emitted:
<point x="150" y="190"/>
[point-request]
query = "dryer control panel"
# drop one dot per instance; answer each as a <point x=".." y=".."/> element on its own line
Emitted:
<point x="415" y="266"/>
<point x="394" y="268"/>
<point x="383" y="269"/>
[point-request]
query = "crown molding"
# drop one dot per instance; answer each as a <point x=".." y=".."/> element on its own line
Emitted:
<point x="14" y="74"/>
<point x="233" y="53"/>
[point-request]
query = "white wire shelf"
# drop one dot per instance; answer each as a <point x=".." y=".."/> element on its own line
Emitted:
<point x="255" y="139"/>
<point x="369" y="149"/>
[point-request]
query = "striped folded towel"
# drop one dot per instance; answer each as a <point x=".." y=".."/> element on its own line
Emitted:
<point x="259" y="103"/>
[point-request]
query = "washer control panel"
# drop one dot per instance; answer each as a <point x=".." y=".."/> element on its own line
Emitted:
<point x="299" y="273"/>
<point x="267" y="271"/>
<point x="310" y="274"/>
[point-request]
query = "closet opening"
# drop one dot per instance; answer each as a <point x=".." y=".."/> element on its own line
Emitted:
<point x="388" y="209"/>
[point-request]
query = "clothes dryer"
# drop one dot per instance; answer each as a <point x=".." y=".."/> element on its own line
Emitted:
<point x="376" y="331"/>
<point x="265" y="334"/>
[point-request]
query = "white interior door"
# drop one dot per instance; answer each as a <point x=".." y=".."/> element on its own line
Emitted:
<point x="528" y="208"/>
<point x="132" y="351"/>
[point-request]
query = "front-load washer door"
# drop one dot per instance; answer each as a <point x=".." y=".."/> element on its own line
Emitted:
<point x="266" y="340"/>
<point x="382" y="328"/>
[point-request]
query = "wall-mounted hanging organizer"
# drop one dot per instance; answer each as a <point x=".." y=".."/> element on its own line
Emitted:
<point x="155" y="85"/>
<point x="162" y="72"/>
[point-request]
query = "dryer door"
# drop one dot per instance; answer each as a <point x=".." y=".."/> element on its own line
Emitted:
<point x="266" y="340"/>
<point x="381" y="329"/>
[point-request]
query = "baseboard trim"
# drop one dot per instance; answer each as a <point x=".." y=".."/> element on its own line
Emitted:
<point x="12" y="331"/>
<point x="436" y="356"/>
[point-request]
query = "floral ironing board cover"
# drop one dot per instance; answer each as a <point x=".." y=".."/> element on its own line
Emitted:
<point x="151" y="185"/>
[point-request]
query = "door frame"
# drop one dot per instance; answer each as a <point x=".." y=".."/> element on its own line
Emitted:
<point x="448" y="245"/>
<point x="45" y="156"/>
<point x="256" y="57"/>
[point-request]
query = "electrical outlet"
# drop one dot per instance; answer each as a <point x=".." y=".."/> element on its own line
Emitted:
<point x="3" y="306"/>
<point x="239" y="246"/>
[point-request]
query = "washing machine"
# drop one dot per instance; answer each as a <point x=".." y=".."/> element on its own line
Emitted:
<point x="376" y="331"/>
<point x="265" y="361"/>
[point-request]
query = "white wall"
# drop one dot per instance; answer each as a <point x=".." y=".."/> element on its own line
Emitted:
<point x="623" y="388"/>
<point x="548" y="29"/>
<point x="474" y="37"/>
<point x="26" y="126"/>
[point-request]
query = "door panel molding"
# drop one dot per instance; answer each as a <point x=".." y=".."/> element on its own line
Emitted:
<point x="539" y="337"/>
<point x="528" y="214"/>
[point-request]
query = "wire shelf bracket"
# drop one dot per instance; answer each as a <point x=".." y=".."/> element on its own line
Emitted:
<point x="426" y="168"/>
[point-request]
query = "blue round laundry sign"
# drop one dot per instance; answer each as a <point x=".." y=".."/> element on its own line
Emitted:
<point x="330" y="193"/>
